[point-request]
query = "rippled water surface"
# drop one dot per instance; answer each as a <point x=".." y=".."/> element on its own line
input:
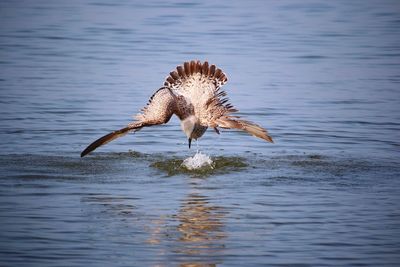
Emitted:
<point x="322" y="76"/>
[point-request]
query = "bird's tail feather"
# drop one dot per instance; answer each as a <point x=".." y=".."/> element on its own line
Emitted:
<point x="110" y="137"/>
<point x="248" y="126"/>
<point x="192" y="68"/>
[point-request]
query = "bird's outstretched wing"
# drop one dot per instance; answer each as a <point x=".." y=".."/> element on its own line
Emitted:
<point x="105" y="139"/>
<point x="159" y="110"/>
<point x="230" y="122"/>
<point x="220" y="115"/>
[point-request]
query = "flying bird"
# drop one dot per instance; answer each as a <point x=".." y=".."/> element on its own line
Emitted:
<point x="193" y="93"/>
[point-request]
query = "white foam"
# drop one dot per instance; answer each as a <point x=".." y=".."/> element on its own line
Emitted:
<point x="199" y="160"/>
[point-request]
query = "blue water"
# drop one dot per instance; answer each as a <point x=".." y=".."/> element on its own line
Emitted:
<point x="323" y="78"/>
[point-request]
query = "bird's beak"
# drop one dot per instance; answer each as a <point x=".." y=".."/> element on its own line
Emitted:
<point x="190" y="142"/>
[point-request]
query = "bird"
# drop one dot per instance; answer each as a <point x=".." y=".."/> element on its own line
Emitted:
<point x="193" y="93"/>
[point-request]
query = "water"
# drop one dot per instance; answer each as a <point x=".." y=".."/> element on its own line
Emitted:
<point x="322" y="77"/>
<point x="198" y="161"/>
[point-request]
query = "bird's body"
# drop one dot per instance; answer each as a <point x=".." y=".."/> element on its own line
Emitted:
<point x="191" y="92"/>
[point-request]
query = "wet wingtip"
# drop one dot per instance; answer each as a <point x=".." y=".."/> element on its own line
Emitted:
<point x="84" y="153"/>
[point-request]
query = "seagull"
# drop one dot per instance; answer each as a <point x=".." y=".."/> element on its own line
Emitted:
<point x="193" y="93"/>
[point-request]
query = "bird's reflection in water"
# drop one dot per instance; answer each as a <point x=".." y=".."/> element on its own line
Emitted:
<point x="197" y="265"/>
<point x="200" y="231"/>
<point x="198" y="239"/>
<point x="200" y="225"/>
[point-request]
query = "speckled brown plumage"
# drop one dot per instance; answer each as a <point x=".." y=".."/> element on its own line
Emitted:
<point x="191" y="91"/>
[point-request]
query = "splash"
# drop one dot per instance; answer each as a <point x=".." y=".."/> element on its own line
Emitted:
<point x="198" y="161"/>
<point x="200" y="165"/>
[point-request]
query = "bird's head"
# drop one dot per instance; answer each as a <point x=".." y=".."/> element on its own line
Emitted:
<point x="188" y="125"/>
